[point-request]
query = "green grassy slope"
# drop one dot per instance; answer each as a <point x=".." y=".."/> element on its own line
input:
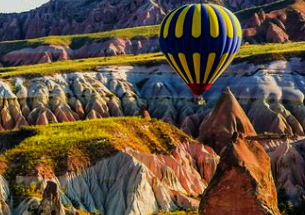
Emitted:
<point x="60" y="148"/>
<point x="90" y="64"/>
<point x="253" y="53"/>
<point x="73" y="146"/>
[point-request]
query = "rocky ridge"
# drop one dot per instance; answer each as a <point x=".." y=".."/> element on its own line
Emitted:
<point x="52" y="53"/>
<point x="232" y="119"/>
<point x="274" y="90"/>
<point x="276" y="26"/>
<point x="270" y="91"/>
<point x="62" y="17"/>
<point x="282" y="24"/>
<point x="253" y="190"/>
<point x="174" y="181"/>
<point x="127" y="182"/>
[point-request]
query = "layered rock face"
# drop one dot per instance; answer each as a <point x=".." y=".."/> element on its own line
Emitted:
<point x="62" y="17"/>
<point x="129" y="182"/>
<point x="277" y="26"/>
<point x="272" y="92"/>
<point x="242" y="184"/>
<point x="4" y="197"/>
<point x="288" y="168"/>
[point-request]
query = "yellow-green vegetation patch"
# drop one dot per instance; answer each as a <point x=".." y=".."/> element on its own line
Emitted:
<point x="60" y="148"/>
<point x="77" y="41"/>
<point x="271" y="51"/>
<point x="83" y="65"/>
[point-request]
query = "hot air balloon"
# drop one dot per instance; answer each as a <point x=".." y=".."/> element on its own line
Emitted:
<point x="199" y="42"/>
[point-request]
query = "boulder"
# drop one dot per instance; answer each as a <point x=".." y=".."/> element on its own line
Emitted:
<point x="51" y="202"/>
<point x="276" y="35"/>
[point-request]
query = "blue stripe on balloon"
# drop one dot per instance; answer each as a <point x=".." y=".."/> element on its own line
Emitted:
<point x="206" y="41"/>
<point x="174" y="44"/>
<point x="188" y="42"/>
<point x="231" y="44"/>
<point x="218" y="44"/>
<point x="161" y="39"/>
<point x="238" y="45"/>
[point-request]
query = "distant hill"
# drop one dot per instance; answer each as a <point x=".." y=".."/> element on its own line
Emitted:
<point x="63" y="17"/>
<point x="277" y="22"/>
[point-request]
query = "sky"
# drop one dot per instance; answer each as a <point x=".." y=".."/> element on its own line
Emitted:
<point x="9" y="6"/>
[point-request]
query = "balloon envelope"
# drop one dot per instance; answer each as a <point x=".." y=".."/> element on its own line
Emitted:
<point x="200" y="41"/>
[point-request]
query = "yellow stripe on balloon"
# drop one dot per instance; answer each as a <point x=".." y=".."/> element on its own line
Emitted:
<point x="176" y="67"/>
<point x="214" y="27"/>
<point x="180" y="22"/>
<point x="167" y="23"/>
<point x="236" y="22"/>
<point x="185" y="66"/>
<point x="209" y="66"/>
<point x="196" y="61"/>
<point x="225" y="16"/>
<point x="224" y="68"/>
<point x="196" y="28"/>
<point x="221" y="62"/>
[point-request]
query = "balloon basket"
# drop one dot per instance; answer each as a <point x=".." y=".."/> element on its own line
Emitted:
<point x="200" y="101"/>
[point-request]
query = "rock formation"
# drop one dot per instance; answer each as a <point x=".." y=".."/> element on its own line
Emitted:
<point x="4" y="197"/>
<point x="51" y="202"/>
<point x="62" y="17"/>
<point x="281" y="23"/>
<point x="274" y="93"/>
<point x="52" y="53"/>
<point x="242" y="184"/>
<point x="280" y="120"/>
<point x="226" y="118"/>
<point x="128" y="182"/>
<point x="288" y="168"/>
<point x="144" y="113"/>
<point x="276" y="35"/>
<point x="284" y="22"/>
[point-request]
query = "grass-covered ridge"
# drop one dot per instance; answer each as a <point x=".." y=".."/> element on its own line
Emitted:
<point x="72" y="146"/>
<point x="252" y="53"/>
<point x="77" y="41"/>
<point x="82" y="65"/>
<point x="265" y="53"/>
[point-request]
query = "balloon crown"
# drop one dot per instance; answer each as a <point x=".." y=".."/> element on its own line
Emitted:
<point x="200" y="41"/>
